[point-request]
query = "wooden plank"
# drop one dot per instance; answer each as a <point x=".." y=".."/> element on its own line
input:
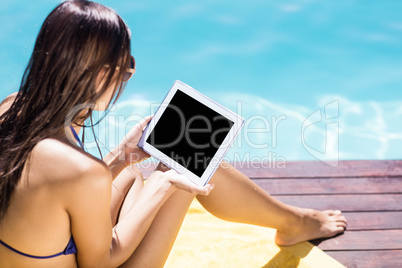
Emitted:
<point x="374" y="220"/>
<point x="364" y="240"/>
<point x="347" y="202"/>
<point x="372" y="258"/>
<point x="297" y="169"/>
<point x="330" y="185"/>
<point x="368" y="192"/>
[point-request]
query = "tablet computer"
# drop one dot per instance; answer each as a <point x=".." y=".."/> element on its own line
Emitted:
<point x="190" y="133"/>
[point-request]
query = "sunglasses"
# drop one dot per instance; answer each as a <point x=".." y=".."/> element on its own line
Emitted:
<point x="130" y="70"/>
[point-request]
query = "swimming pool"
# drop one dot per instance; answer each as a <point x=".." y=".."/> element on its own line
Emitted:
<point x="313" y="79"/>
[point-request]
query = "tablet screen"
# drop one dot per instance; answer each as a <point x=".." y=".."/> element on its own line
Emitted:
<point x="189" y="132"/>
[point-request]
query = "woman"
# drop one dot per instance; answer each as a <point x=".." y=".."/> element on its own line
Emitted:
<point x="53" y="194"/>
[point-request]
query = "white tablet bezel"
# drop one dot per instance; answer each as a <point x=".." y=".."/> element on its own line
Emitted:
<point x="216" y="160"/>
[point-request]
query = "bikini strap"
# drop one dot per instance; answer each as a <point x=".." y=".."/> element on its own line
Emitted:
<point x="28" y="255"/>
<point x="76" y="137"/>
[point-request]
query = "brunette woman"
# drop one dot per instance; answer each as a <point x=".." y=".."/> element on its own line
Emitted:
<point x="62" y="207"/>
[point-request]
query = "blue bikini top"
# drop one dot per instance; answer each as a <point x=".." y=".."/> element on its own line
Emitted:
<point x="70" y="249"/>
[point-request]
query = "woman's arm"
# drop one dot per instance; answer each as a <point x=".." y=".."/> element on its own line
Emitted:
<point x="100" y="245"/>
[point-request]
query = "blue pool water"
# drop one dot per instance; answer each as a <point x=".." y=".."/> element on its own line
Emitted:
<point x="313" y="79"/>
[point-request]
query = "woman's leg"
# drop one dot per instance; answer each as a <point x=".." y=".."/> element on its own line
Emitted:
<point x="130" y="179"/>
<point x="157" y="243"/>
<point x="236" y="198"/>
<point x="154" y="249"/>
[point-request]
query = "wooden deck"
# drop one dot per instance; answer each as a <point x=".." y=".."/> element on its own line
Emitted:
<point x="368" y="192"/>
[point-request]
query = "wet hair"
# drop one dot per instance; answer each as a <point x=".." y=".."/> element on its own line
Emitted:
<point x="79" y="44"/>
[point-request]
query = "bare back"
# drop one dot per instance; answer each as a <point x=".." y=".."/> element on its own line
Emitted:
<point x="37" y="221"/>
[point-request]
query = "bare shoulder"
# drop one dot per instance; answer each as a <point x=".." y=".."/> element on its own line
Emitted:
<point x="7" y="102"/>
<point x="56" y="161"/>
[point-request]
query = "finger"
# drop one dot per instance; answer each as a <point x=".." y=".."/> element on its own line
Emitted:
<point x="144" y="122"/>
<point x="138" y="128"/>
<point x="195" y="189"/>
<point x="206" y="190"/>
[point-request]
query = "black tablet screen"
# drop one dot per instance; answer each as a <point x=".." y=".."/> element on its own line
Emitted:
<point x="189" y="132"/>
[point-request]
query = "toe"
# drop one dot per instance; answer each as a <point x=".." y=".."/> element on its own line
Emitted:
<point x="342" y="225"/>
<point x="333" y="212"/>
<point x="341" y="229"/>
<point x="342" y="219"/>
<point x="337" y="212"/>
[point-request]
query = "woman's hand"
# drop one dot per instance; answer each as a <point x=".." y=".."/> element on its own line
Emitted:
<point x="176" y="181"/>
<point x="129" y="145"/>
<point x="127" y="152"/>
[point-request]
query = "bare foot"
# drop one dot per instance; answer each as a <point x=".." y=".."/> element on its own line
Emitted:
<point x="312" y="224"/>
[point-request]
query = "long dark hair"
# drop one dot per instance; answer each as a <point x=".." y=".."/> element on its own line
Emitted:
<point x="78" y="41"/>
